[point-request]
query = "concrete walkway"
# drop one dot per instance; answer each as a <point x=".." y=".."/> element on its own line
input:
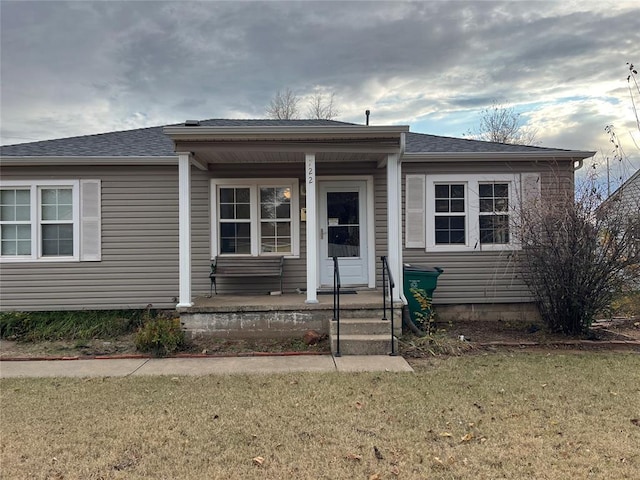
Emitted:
<point x="202" y="366"/>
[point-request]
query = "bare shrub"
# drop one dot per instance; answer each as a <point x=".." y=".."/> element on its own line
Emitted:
<point x="578" y="255"/>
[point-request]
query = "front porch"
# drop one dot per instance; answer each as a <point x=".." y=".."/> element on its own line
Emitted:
<point x="287" y="315"/>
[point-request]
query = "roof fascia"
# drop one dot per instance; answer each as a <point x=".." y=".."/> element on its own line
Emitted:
<point x="439" y="157"/>
<point x="86" y="160"/>
<point x="283" y="132"/>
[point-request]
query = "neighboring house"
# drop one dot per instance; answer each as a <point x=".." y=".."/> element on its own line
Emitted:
<point x="131" y="218"/>
<point x="626" y="199"/>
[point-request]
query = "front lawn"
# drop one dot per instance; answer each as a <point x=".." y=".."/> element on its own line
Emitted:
<point x="542" y="416"/>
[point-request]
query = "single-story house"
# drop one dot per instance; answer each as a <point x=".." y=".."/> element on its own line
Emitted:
<point x="134" y="218"/>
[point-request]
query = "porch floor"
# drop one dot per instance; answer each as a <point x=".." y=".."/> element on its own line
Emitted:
<point x="285" y="302"/>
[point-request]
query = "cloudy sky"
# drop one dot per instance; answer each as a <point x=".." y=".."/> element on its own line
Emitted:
<point x="74" y="68"/>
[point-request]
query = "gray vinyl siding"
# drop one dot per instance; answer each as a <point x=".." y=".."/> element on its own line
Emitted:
<point x="483" y="276"/>
<point x="139" y="263"/>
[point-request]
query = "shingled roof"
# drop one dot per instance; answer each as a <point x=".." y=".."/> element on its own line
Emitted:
<point x="152" y="142"/>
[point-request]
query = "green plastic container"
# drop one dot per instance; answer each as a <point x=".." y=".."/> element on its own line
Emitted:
<point x="420" y="278"/>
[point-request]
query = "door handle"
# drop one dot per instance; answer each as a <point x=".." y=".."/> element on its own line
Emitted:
<point x="321" y="233"/>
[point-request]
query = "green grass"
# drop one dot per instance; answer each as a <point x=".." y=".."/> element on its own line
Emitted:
<point x="492" y="416"/>
<point x="70" y="325"/>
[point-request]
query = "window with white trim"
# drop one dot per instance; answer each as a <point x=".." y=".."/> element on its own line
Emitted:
<point x="48" y="221"/>
<point x="255" y="217"/>
<point x="464" y="212"/>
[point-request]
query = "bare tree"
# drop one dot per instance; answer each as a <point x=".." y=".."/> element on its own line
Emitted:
<point x="577" y="256"/>
<point x="283" y="106"/>
<point x="502" y="124"/>
<point x="322" y="107"/>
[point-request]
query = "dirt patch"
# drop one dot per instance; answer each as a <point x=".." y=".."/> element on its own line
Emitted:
<point x="125" y="346"/>
<point x="607" y="334"/>
<point x="617" y="329"/>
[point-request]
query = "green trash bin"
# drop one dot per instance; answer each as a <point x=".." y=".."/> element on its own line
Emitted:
<point x="420" y="278"/>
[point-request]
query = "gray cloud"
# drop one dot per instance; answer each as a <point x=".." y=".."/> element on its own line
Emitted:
<point x="81" y="67"/>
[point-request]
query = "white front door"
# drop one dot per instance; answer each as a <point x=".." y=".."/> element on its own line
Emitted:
<point x="342" y="213"/>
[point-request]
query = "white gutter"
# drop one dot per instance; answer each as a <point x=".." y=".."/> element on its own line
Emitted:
<point x="87" y="160"/>
<point x="438" y="157"/>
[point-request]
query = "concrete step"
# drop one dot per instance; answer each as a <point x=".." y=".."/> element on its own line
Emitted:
<point x="369" y="312"/>
<point x="361" y="326"/>
<point x="363" y="344"/>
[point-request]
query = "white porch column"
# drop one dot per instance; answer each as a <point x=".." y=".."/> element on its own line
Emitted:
<point x="394" y="223"/>
<point x="312" y="228"/>
<point x="184" y="228"/>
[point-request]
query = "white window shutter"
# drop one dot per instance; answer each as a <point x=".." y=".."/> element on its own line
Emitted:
<point x="90" y="221"/>
<point x="415" y="220"/>
<point x="530" y="188"/>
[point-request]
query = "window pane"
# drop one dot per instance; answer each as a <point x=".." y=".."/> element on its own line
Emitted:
<point x="226" y="212"/>
<point x="344" y="241"/>
<point x="64" y="196"/>
<point x="344" y="206"/>
<point x="65" y="212"/>
<point x="283" y="211"/>
<point x="49" y="212"/>
<point x="442" y="191"/>
<point x="502" y="205"/>
<point x="243" y="211"/>
<point x="8" y="247"/>
<point x="227" y="195"/>
<point x="23" y="197"/>
<point x="450" y="230"/>
<point x="485" y="190"/>
<point x="457" y="205"/>
<point x="442" y="205"/>
<point x="501" y="190"/>
<point x="243" y="195"/>
<point x="23" y="214"/>
<point x="7" y="197"/>
<point x="494" y="229"/>
<point x="268" y="229"/>
<point x="267" y="211"/>
<point x="283" y="229"/>
<point x="24" y="232"/>
<point x="486" y="205"/>
<point x="235" y="238"/>
<point x="9" y="232"/>
<point x="57" y="240"/>
<point x="8" y="213"/>
<point x="49" y="196"/>
<point x="24" y="247"/>
<point x="457" y="191"/>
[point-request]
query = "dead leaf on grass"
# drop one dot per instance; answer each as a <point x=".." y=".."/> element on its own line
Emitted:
<point x="445" y="434"/>
<point x="467" y="437"/>
<point x="395" y="471"/>
<point x="258" y="461"/>
<point x="375" y="476"/>
<point x="636" y="422"/>
<point x="353" y="456"/>
<point x="438" y="461"/>
<point x="359" y="405"/>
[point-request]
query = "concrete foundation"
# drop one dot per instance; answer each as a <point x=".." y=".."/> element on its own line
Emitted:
<point x="524" y="312"/>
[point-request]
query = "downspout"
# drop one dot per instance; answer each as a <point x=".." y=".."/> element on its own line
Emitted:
<point x="400" y="280"/>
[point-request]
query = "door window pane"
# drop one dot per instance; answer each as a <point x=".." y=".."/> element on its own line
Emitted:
<point x="344" y="241"/>
<point x="344" y="207"/>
